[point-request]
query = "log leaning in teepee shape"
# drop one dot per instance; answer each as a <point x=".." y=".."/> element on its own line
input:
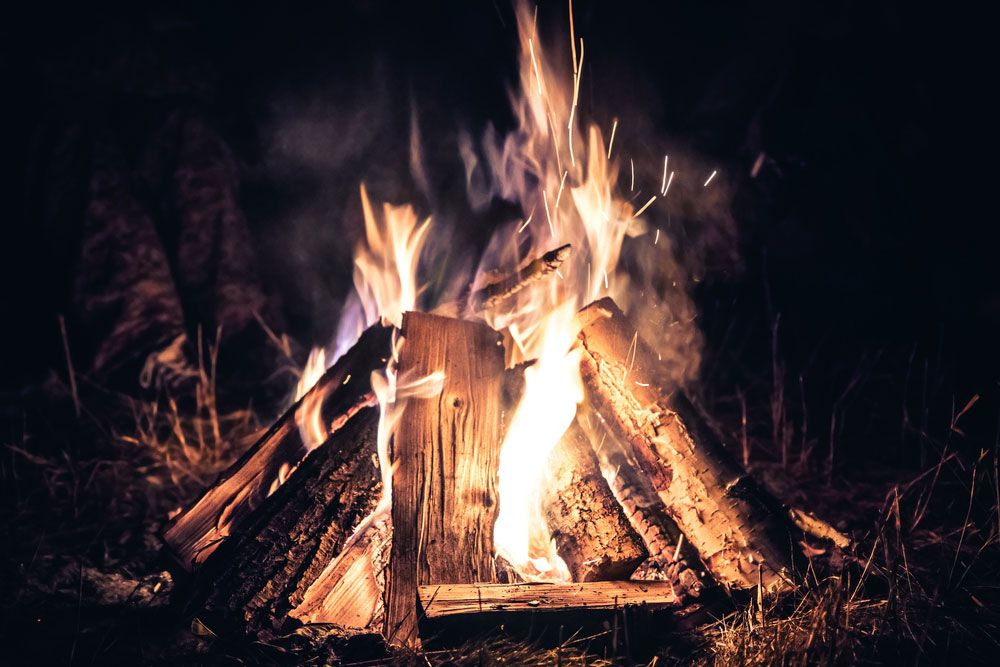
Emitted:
<point x="261" y="573"/>
<point x="743" y="534"/>
<point x="343" y="390"/>
<point x="445" y="456"/>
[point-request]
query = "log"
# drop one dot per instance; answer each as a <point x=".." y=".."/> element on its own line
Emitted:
<point x="255" y="578"/>
<point x="671" y="557"/>
<point x="342" y="391"/>
<point x="592" y="534"/>
<point x="743" y="534"/>
<point x="460" y="599"/>
<point x="445" y="455"/>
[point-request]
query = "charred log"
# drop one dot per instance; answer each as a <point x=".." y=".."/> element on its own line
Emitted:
<point x="340" y="393"/>
<point x="260" y="574"/>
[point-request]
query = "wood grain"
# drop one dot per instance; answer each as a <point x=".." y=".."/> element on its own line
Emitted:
<point x="445" y="456"/>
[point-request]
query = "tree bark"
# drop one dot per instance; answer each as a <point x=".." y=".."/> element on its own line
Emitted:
<point x="742" y="533"/>
<point x="261" y="575"/>
<point x="593" y="535"/>
<point x="341" y="392"/>
<point x="445" y="454"/>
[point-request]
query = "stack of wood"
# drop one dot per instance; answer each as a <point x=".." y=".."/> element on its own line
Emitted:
<point x="275" y="542"/>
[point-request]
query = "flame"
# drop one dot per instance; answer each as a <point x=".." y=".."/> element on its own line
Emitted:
<point x="563" y="176"/>
<point x="385" y="285"/>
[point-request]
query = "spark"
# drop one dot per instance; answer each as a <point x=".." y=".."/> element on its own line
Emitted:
<point x="572" y="37"/>
<point x="611" y="141"/>
<point x="545" y="200"/>
<point x="526" y="223"/>
<point x="669" y="181"/>
<point x="644" y="206"/>
<point x="601" y="444"/>
<point x="576" y="96"/>
<point x="347" y="379"/>
<point x="663" y="183"/>
<point x="559" y="194"/>
<point x="757" y="164"/>
<point x="642" y="384"/>
<point x="656" y="239"/>
<point x="558" y="273"/>
<point x="631" y="184"/>
<point x="710" y="177"/>
<point x="605" y="279"/>
<point x="677" y="551"/>
<point x="534" y="63"/>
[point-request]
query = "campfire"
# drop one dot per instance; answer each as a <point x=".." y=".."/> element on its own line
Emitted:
<point x="520" y="446"/>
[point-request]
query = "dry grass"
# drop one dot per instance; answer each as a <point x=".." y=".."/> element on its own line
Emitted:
<point x="919" y="585"/>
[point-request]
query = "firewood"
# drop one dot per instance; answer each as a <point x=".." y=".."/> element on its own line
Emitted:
<point x="671" y="557"/>
<point x="255" y="578"/>
<point x="592" y="534"/>
<point x="350" y="591"/>
<point x="744" y="536"/>
<point x="343" y="390"/>
<point x="437" y="601"/>
<point x="496" y="292"/>
<point x="445" y="455"/>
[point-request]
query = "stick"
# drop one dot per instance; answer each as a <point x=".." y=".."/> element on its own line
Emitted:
<point x="492" y="294"/>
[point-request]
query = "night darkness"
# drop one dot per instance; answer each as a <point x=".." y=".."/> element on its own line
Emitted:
<point x="858" y="263"/>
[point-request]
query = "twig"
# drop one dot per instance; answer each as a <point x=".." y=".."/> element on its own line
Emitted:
<point x="69" y="365"/>
<point x="489" y="296"/>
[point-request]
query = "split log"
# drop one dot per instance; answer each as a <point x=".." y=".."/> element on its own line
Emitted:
<point x="445" y="455"/>
<point x="457" y="599"/>
<point x="342" y="391"/>
<point x="263" y="572"/>
<point x="743" y="534"/>
<point x="592" y="534"/>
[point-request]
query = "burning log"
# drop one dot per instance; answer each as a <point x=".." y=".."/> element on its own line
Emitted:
<point x="744" y="536"/>
<point x="593" y="535"/>
<point x="495" y="292"/>
<point x="445" y="455"/>
<point x="671" y="557"/>
<point x="341" y="392"/>
<point x="258" y="576"/>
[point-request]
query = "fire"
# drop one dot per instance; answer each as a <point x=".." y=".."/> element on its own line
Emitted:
<point x="385" y="285"/>
<point x="564" y="177"/>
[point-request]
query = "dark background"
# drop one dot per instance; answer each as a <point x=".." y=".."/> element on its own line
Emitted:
<point x="869" y="230"/>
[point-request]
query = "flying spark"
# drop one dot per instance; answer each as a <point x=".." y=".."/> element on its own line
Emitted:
<point x="631" y="184"/>
<point x="656" y="239"/>
<point x="534" y="63"/>
<point x="663" y="183"/>
<point x="644" y="206"/>
<point x="611" y="141"/>
<point x="669" y="181"/>
<point x="545" y="200"/>
<point x="710" y="177"/>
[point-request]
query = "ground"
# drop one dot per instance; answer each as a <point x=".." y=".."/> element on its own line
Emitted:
<point x="84" y="582"/>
